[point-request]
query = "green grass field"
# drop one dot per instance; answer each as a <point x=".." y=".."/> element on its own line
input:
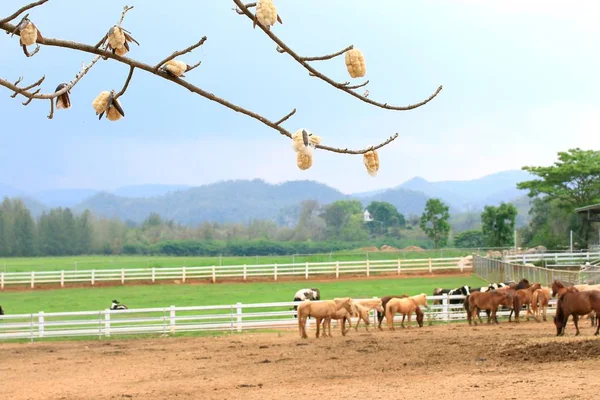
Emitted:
<point x="99" y="298"/>
<point x="118" y="262"/>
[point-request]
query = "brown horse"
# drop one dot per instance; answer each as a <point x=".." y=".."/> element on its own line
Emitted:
<point x="322" y="310"/>
<point x="489" y="301"/>
<point x="521" y="298"/>
<point x="575" y="304"/>
<point x="558" y="288"/>
<point x="540" y="300"/>
<point x="384" y="301"/>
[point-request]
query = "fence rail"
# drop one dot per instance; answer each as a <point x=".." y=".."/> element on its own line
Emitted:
<point x="499" y="271"/>
<point x="556" y="258"/>
<point x="170" y="320"/>
<point x="224" y="272"/>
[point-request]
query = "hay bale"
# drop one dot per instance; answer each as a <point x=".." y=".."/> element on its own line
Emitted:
<point x="413" y="248"/>
<point x="385" y="247"/>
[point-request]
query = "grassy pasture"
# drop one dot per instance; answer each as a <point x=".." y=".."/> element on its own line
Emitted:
<point x="118" y="262"/>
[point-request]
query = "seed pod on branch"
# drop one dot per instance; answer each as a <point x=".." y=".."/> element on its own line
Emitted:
<point x="29" y="34"/>
<point x="303" y="161"/>
<point x="266" y="14"/>
<point x="106" y="102"/>
<point x="175" y="68"/>
<point x="304" y="141"/>
<point x="355" y="63"/>
<point x="118" y="40"/>
<point x="371" y="161"/>
<point x="63" y="101"/>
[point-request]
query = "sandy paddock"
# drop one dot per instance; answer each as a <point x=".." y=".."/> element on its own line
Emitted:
<point x="505" y="361"/>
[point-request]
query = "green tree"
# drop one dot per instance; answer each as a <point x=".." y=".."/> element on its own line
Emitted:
<point x="23" y="231"/>
<point x="573" y="181"/>
<point x="498" y="224"/>
<point x="337" y="216"/>
<point x="469" y="239"/>
<point x="385" y="215"/>
<point x="434" y="222"/>
<point x="84" y="233"/>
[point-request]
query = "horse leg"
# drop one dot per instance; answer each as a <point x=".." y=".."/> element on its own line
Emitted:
<point x="379" y="320"/>
<point x="598" y="323"/>
<point x="302" y="326"/>
<point x="494" y="316"/>
<point x="544" y="313"/>
<point x="473" y="312"/>
<point x="575" y="321"/>
<point x="318" y="326"/>
<point x="402" y="323"/>
<point x="409" y="318"/>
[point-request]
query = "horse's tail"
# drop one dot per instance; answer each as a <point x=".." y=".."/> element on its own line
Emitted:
<point x="467" y="308"/>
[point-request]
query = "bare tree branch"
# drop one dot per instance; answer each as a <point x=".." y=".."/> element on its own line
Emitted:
<point x="326" y="57"/>
<point x="28" y="87"/>
<point x="122" y="92"/>
<point x="249" y="5"/>
<point x="133" y="64"/>
<point x="282" y="120"/>
<point x="358" y="86"/>
<point x="51" y="115"/>
<point x="125" y="9"/>
<point x="22" y="10"/>
<point x="283" y="48"/>
<point x="184" y="51"/>
<point x="31" y="98"/>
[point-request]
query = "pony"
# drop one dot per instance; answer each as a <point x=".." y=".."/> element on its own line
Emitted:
<point x="362" y="308"/>
<point x="343" y="315"/>
<point x="325" y="309"/>
<point x="558" y="288"/>
<point x="523" y="297"/>
<point x="575" y="304"/>
<point x="404" y="306"/>
<point x="540" y="300"/>
<point x="384" y="301"/>
<point x="117" y="306"/>
<point x="488" y="301"/>
<point x="306" y="294"/>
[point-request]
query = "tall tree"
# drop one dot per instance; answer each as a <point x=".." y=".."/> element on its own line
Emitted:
<point x="84" y="233"/>
<point x="469" y="239"/>
<point x="434" y="222"/>
<point x="573" y="181"/>
<point x="23" y="231"/>
<point x="385" y="215"/>
<point x="498" y="224"/>
<point x="337" y="215"/>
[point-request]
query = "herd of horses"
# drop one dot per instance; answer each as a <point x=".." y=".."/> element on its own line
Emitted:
<point x="573" y="301"/>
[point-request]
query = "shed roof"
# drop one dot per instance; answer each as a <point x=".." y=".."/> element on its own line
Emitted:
<point x="593" y="207"/>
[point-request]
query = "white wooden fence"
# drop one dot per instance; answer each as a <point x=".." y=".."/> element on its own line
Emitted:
<point x="556" y="258"/>
<point x="170" y="320"/>
<point x="223" y="272"/>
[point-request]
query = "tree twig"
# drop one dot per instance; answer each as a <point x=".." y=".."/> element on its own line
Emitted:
<point x="22" y="10"/>
<point x="125" y="9"/>
<point x="282" y="120"/>
<point x="26" y="103"/>
<point x="122" y="92"/>
<point x="358" y="86"/>
<point x="51" y="115"/>
<point x="183" y="83"/>
<point x="328" y="56"/>
<point x="249" y="5"/>
<point x="178" y="53"/>
<point x="28" y="87"/>
<point x="286" y="49"/>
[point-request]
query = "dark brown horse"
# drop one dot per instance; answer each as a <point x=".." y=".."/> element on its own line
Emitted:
<point x="575" y="304"/>
<point x="558" y="288"/>
<point x="1" y="311"/>
<point x="523" y="297"/>
<point x="489" y="301"/>
<point x="384" y="301"/>
<point x="511" y="288"/>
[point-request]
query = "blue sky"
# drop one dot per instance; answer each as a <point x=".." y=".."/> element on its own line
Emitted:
<point x="520" y="84"/>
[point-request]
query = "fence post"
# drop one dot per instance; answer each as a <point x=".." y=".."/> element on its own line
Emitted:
<point x="306" y="270"/>
<point x="1" y="280"/>
<point x="183" y="274"/>
<point x="123" y="276"/>
<point x="93" y="276"/>
<point x="153" y="275"/>
<point x="430" y="269"/>
<point x="445" y="308"/>
<point x="245" y="271"/>
<point x="337" y="269"/>
<point x="239" y="316"/>
<point x="461" y="266"/>
<point x="214" y="274"/>
<point x="62" y="278"/>
<point x="172" y="319"/>
<point x="275" y="272"/>
<point x="41" y="324"/>
<point x="32" y="279"/>
<point x="399" y="266"/>
<point x="368" y="272"/>
<point x="106" y="322"/>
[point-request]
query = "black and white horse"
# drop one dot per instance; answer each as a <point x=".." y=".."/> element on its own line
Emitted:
<point x="306" y="294"/>
<point x="117" y="306"/>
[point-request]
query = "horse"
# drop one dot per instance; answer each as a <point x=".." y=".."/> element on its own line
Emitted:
<point x="558" y="288"/>
<point x="325" y="309"/>
<point x="362" y="308"/>
<point x="404" y="306"/>
<point x="1" y="311"/>
<point x="306" y="294"/>
<point x="488" y="301"/>
<point x="523" y="297"/>
<point x="575" y="304"/>
<point x="540" y="300"/>
<point x="384" y="301"/>
<point x="117" y="306"/>
<point x="343" y="315"/>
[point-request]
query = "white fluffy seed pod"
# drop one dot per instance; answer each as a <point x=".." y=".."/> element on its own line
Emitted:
<point x="121" y="51"/>
<point x="371" y="161"/>
<point x="355" y="63"/>
<point x="116" y="38"/>
<point x="113" y="114"/>
<point x="298" y="141"/>
<point x="176" y="67"/>
<point x="100" y="103"/>
<point x="266" y="13"/>
<point x="303" y="161"/>
<point x="29" y="34"/>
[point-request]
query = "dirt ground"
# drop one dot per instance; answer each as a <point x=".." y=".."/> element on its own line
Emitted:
<point x="508" y="361"/>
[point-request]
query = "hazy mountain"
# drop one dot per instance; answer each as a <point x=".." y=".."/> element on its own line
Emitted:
<point x="150" y="190"/>
<point x="64" y="197"/>
<point x="9" y="191"/>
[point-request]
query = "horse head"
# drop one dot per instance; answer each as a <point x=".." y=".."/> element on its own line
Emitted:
<point x="535" y="287"/>
<point x="379" y="306"/>
<point x="344" y="302"/>
<point x="559" y="320"/>
<point x="523" y="284"/>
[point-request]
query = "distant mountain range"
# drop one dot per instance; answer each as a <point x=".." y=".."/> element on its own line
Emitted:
<point x="244" y="200"/>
